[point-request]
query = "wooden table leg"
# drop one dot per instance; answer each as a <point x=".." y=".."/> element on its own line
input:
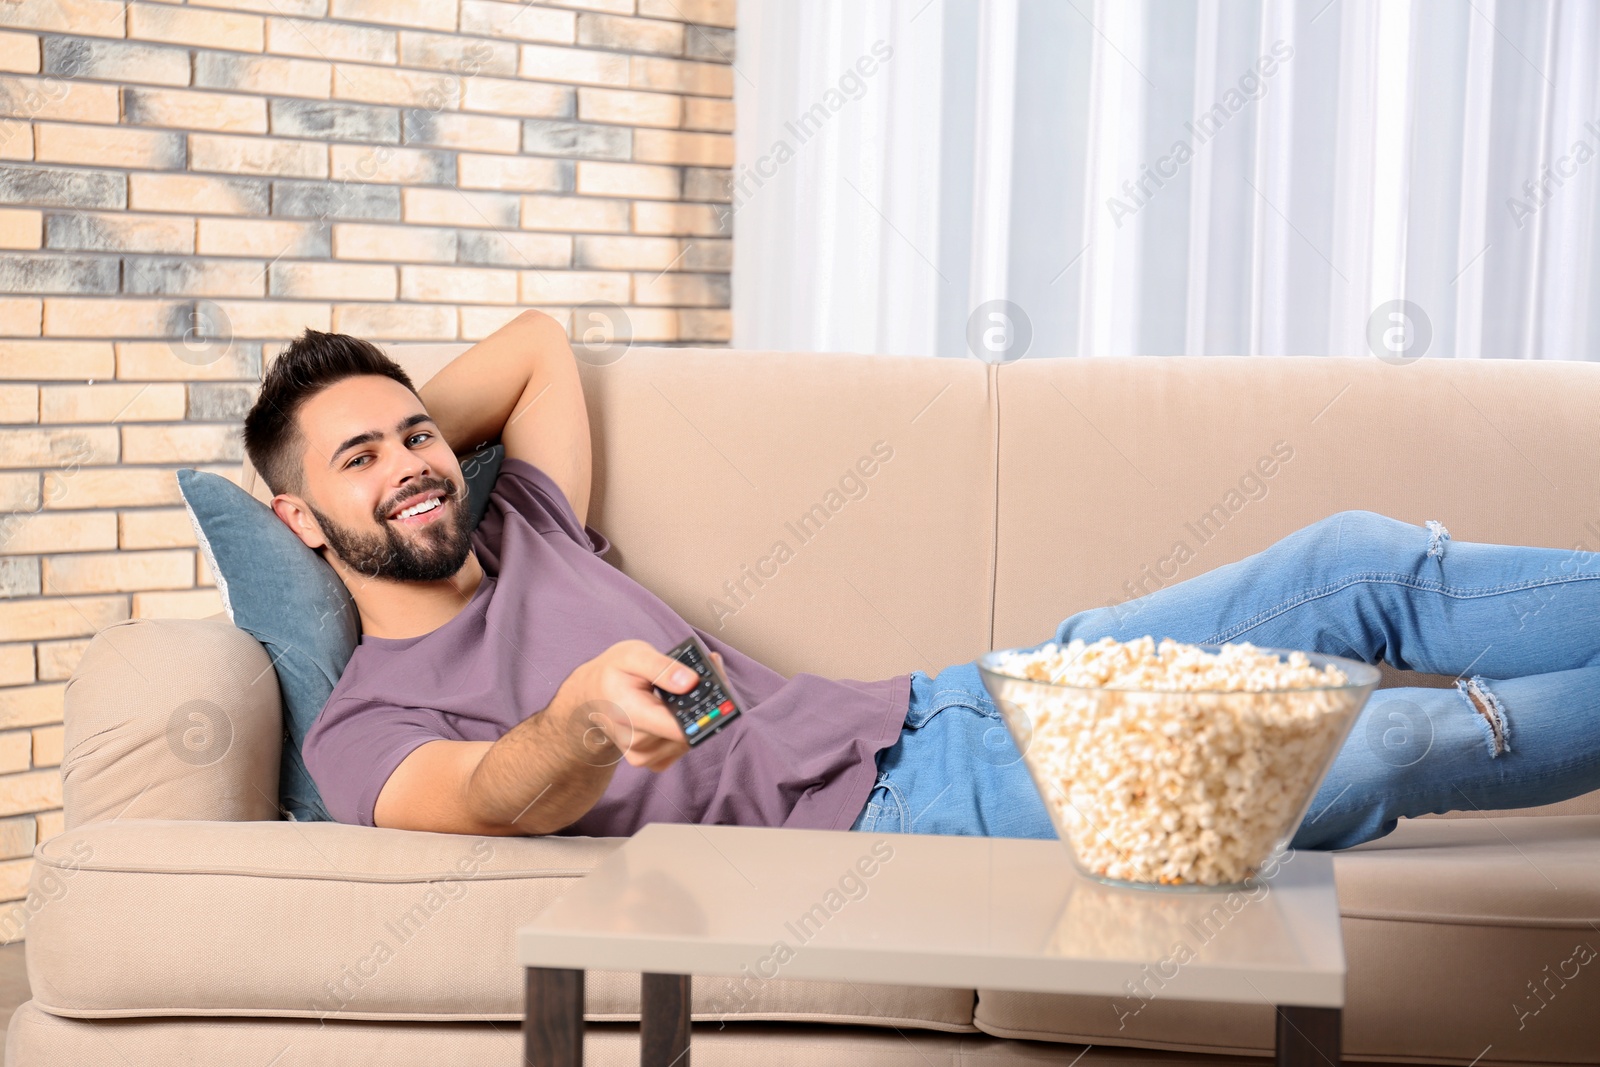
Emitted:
<point x="1309" y="1037"/>
<point x="552" y="1029"/>
<point x="664" y="1020"/>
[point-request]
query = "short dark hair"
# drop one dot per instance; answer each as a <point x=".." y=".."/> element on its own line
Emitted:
<point x="311" y="363"/>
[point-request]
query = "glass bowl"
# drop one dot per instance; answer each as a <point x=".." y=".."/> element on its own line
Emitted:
<point x="1176" y="789"/>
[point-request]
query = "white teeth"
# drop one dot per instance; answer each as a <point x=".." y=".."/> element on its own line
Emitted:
<point x="426" y="505"/>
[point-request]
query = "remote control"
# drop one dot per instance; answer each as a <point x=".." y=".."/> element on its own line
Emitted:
<point x="709" y="706"/>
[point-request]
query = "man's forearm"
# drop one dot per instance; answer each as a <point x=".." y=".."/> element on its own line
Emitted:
<point x="473" y="396"/>
<point x="543" y="775"/>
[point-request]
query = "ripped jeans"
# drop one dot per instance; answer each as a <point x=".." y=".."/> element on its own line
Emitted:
<point x="1518" y="627"/>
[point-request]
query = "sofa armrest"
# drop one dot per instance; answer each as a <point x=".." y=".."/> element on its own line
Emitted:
<point x="172" y="719"/>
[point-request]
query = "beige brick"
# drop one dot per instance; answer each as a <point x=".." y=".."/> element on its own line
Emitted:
<point x="258" y="155"/>
<point x="573" y="286"/>
<point x="19" y="403"/>
<point x="707" y="254"/>
<point x="111" y="403"/>
<point x="111" y="317"/>
<point x="119" y="232"/>
<point x="509" y="248"/>
<point x="680" y="76"/>
<point x="405" y="88"/>
<point x="21" y="228"/>
<point x="18" y="835"/>
<point x="392" y="166"/>
<point x="19" y="491"/>
<point x="427" y="14"/>
<point x="155" y="528"/>
<point x="31" y="705"/>
<point x="19" y="53"/>
<point x="189" y="109"/>
<point x="58" y="98"/>
<point x="268" y="238"/>
<point x="573" y="65"/>
<point x="689" y="220"/>
<point x="42" y="360"/>
<point x="614" y="7"/>
<point x="191" y="604"/>
<point x="202" y="573"/>
<point x="54" y="617"/>
<point x="631" y="34"/>
<point x="626" y="253"/>
<point x="689" y="149"/>
<point x="20" y="317"/>
<point x="482" y="133"/>
<point x="185" y="25"/>
<point x="452" y="207"/>
<point x="519" y="173"/>
<point x="333" y="281"/>
<point x="16" y="752"/>
<point x="54" y="820"/>
<point x="629" y="108"/>
<point x="466" y="56"/>
<point x="574" y="213"/>
<point x="691" y="290"/>
<point x="24" y="793"/>
<point x="47" y="742"/>
<point x="192" y="443"/>
<point x="705" y="324"/>
<point x="118" y="572"/>
<point x="16" y="140"/>
<point x="321" y="39"/>
<point x="393" y="244"/>
<point x="461" y="285"/>
<point x="644" y="324"/>
<point x="196" y="193"/>
<point x="87" y="18"/>
<point x="506" y="96"/>
<point x="705" y="12"/>
<point x="642" y="180"/>
<point x="263" y="318"/>
<point x="479" y="321"/>
<point x="703" y="113"/>
<point x="56" y="531"/>
<point x="316" y="8"/>
<point x="111" y="487"/>
<point x="58" y="659"/>
<point x="30" y="447"/>
<point x="115" y="147"/>
<point x="157" y="361"/>
<point x="267" y="75"/>
<point x="520" y="21"/>
<point x="16" y="664"/>
<point x="396" y="322"/>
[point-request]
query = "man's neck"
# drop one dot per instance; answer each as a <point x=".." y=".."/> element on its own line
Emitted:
<point x="398" y="610"/>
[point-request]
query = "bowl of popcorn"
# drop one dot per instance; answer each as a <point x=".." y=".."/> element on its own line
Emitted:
<point x="1175" y="765"/>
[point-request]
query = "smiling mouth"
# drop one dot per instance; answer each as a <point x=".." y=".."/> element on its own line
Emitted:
<point x="420" y="513"/>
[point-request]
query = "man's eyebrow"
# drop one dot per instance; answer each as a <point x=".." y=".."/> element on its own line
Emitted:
<point x="377" y="435"/>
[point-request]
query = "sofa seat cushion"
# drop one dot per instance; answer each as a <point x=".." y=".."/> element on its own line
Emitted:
<point x="154" y="917"/>
<point x="1464" y="938"/>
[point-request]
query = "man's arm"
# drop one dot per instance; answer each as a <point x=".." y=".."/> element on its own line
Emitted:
<point x="519" y="384"/>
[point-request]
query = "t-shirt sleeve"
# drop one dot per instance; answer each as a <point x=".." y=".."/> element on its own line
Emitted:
<point x="355" y="745"/>
<point x="533" y="494"/>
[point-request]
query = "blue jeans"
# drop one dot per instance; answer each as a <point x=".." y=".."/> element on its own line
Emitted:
<point x="1518" y="627"/>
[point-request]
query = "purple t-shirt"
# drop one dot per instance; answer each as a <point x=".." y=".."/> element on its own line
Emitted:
<point x="801" y="754"/>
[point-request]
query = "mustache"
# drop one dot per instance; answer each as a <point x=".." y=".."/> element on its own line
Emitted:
<point x="447" y="493"/>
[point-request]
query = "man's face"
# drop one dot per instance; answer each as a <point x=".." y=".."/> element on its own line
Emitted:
<point x="370" y="452"/>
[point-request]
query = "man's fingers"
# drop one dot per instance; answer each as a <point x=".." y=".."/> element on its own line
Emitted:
<point x="642" y="660"/>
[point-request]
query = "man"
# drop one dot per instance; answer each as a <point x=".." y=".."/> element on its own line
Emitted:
<point x="503" y="683"/>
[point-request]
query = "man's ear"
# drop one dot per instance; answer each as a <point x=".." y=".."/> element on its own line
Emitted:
<point x="297" y="516"/>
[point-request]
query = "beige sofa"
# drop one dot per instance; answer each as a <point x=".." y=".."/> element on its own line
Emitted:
<point x="180" y="920"/>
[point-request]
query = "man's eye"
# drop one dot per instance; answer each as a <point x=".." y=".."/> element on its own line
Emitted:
<point x="423" y="433"/>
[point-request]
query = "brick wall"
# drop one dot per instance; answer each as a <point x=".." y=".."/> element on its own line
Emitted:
<point x="183" y="188"/>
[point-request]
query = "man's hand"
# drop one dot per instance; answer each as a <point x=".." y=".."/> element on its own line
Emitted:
<point x="612" y="711"/>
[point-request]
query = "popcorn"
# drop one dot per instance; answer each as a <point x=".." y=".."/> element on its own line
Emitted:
<point x="1170" y="764"/>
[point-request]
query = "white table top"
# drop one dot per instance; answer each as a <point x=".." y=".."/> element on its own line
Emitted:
<point x="929" y="910"/>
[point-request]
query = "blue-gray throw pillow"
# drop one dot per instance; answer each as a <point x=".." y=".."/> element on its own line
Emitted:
<point x="284" y="595"/>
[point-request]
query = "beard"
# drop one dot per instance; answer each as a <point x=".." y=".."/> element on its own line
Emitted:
<point x="429" y="553"/>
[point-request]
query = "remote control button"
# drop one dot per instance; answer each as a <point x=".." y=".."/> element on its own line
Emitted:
<point x="691" y="729"/>
<point x="725" y="707"/>
<point x="702" y="720"/>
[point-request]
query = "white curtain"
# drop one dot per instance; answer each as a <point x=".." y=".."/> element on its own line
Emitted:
<point x="1014" y="178"/>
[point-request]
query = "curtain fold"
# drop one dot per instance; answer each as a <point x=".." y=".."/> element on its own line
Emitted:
<point x="1013" y="178"/>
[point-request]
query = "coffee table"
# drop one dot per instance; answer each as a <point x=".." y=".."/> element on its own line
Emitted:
<point x="922" y="910"/>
